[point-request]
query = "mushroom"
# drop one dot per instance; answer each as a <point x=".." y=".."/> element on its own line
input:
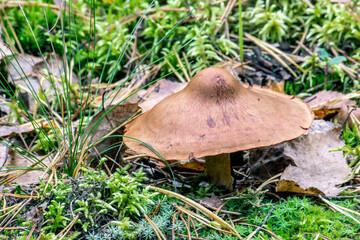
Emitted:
<point x="213" y="116"/>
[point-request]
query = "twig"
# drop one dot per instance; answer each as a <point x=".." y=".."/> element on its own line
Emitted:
<point x="301" y="41"/>
<point x="31" y="232"/>
<point x="173" y="223"/>
<point x="262" y="224"/>
<point x="264" y="229"/>
<point x="19" y="196"/>
<point x="186" y="225"/>
<point x="67" y="228"/>
<point x="157" y="231"/>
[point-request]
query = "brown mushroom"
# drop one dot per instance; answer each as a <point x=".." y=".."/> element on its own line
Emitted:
<point x="215" y="115"/>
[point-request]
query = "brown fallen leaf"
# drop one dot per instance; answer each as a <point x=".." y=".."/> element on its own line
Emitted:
<point x="160" y="90"/>
<point x="24" y="128"/>
<point x="344" y="113"/>
<point x="213" y="202"/>
<point x="30" y="74"/>
<point x="17" y="160"/>
<point x="4" y="49"/>
<point x="22" y="66"/>
<point x="327" y="103"/>
<point x="110" y="122"/>
<point x="4" y="154"/>
<point x="196" y="164"/>
<point x="317" y="170"/>
<point x="36" y="215"/>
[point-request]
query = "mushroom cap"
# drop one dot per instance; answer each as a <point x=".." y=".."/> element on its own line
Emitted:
<point x="215" y="114"/>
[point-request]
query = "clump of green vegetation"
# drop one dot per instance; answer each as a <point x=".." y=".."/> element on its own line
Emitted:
<point x="101" y="216"/>
<point x="120" y="200"/>
<point x="314" y="75"/>
<point x="297" y="217"/>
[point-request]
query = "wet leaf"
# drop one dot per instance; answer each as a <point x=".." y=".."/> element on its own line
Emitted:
<point x="317" y="170"/>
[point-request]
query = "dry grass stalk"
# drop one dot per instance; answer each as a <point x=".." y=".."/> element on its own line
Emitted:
<point x="274" y="52"/>
<point x="199" y="207"/>
<point x="342" y="210"/>
<point x="157" y="231"/>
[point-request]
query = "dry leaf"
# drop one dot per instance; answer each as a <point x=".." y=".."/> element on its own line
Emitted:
<point x="30" y="74"/>
<point x="160" y="90"/>
<point x="195" y="164"/>
<point x="4" y="50"/>
<point x="112" y="120"/>
<point x="24" y="128"/>
<point x="317" y="170"/>
<point x="343" y="115"/>
<point x="22" y="66"/>
<point x="213" y="202"/>
<point x="327" y="97"/>
<point x="19" y="160"/>
<point x="328" y="102"/>
<point x="4" y="154"/>
<point x="36" y="215"/>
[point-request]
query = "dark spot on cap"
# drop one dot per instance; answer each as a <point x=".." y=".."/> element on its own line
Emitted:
<point x="220" y="79"/>
<point x="210" y="122"/>
<point x="227" y="120"/>
<point x="202" y="137"/>
<point x="258" y="99"/>
<point x="191" y="156"/>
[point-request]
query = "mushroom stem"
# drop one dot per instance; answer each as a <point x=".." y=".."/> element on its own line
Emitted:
<point x="218" y="169"/>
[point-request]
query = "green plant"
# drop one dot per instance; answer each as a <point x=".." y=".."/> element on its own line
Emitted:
<point x="320" y="69"/>
<point x="351" y="136"/>
<point x="55" y="216"/>
<point x="270" y="22"/>
<point x="352" y="147"/>
<point x="125" y="195"/>
<point x="329" y="23"/>
<point x="119" y="200"/>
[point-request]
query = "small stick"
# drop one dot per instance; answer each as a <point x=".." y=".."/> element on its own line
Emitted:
<point x="262" y="224"/>
<point x="31" y="232"/>
<point x="187" y="227"/>
<point x="347" y="118"/>
<point x="173" y="223"/>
